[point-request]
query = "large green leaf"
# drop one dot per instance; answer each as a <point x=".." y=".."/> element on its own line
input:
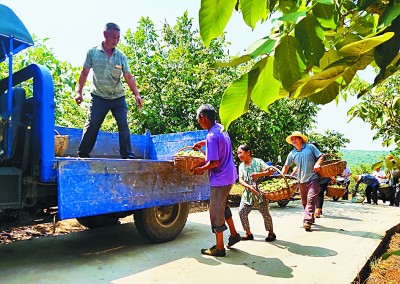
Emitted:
<point x="360" y="64"/>
<point x="329" y="57"/>
<point x="387" y="51"/>
<point x="365" y="45"/>
<point x="326" y="95"/>
<point x="261" y="46"/>
<point x="308" y="86"/>
<point x="288" y="62"/>
<point x="253" y="11"/>
<point x="266" y="90"/>
<point x="236" y="98"/>
<point x="293" y="17"/>
<point x="310" y="35"/>
<point x="214" y="16"/>
<point x="392" y="11"/>
<point x="326" y="15"/>
<point x="234" y="62"/>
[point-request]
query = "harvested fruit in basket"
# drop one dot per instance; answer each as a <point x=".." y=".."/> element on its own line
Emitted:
<point x="335" y="186"/>
<point x="275" y="184"/>
<point x="190" y="153"/>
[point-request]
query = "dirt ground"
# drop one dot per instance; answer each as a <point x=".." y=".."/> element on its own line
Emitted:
<point x="382" y="271"/>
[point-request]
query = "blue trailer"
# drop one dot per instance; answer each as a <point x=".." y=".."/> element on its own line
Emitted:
<point x="96" y="191"/>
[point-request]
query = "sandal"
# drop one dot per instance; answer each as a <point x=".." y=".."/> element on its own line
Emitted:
<point x="271" y="238"/>
<point x="248" y="237"/>
<point x="213" y="251"/>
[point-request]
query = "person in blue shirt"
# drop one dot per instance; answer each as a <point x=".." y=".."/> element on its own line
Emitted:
<point x="372" y="186"/>
<point x="307" y="159"/>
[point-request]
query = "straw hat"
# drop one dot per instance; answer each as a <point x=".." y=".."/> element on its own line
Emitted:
<point x="296" y="134"/>
<point x="357" y="178"/>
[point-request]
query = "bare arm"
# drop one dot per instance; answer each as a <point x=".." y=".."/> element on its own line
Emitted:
<point x="199" y="144"/>
<point x="317" y="165"/>
<point x="81" y="83"/>
<point x="132" y="85"/>
<point x="248" y="186"/>
<point x="285" y="169"/>
<point x="208" y="166"/>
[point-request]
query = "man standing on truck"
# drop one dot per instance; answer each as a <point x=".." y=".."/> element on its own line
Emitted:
<point x="222" y="173"/>
<point x="108" y="65"/>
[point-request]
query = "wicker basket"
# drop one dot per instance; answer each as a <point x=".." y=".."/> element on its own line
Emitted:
<point x="281" y="194"/>
<point x="334" y="191"/>
<point x="60" y="144"/>
<point x="330" y="168"/>
<point x="186" y="164"/>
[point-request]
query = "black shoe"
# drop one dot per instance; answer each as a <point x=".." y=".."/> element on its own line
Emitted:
<point x="130" y="157"/>
<point x="82" y="155"/>
<point x="248" y="238"/>
<point x="233" y="240"/>
<point x="271" y="238"/>
<point x="213" y="251"/>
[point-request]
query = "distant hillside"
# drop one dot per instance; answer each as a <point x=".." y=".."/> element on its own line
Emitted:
<point x="355" y="157"/>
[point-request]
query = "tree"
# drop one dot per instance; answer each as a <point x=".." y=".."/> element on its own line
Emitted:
<point x="174" y="73"/>
<point x="314" y="50"/>
<point x="330" y="142"/>
<point x="381" y="109"/>
<point x="172" y="70"/>
<point x="64" y="78"/>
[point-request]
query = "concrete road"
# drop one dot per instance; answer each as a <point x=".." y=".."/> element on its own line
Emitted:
<point x="334" y="252"/>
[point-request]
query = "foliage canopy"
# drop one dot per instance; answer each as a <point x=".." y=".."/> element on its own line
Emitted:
<point x="314" y="50"/>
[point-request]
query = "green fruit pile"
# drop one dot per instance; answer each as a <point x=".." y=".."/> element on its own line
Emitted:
<point x="190" y="153"/>
<point x="335" y="186"/>
<point x="275" y="184"/>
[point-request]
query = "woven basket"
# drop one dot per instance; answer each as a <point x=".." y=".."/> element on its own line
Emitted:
<point x="334" y="191"/>
<point x="60" y="144"/>
<point x="330" y="168"/>
<point x="186" y="164"/>
<point x="281" y="194"/>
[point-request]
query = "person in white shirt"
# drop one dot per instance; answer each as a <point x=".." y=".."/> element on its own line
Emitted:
<point x="380" y="175"/>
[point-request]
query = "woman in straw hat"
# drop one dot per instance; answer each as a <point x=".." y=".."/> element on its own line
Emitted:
<point x="372" y="186"/>
<point x="307" y="159"/>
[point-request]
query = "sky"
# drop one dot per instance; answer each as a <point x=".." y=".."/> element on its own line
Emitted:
<point x="74" y="26"/>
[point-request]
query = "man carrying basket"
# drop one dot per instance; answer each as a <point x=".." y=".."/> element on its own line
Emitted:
<point x="307" y="159"/>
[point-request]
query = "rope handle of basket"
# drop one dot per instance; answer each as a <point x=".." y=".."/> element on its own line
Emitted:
<point x="193" y="148"/>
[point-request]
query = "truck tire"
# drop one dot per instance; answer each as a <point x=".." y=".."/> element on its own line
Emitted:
<point x="283" y="203"/>
<point x="162" y="223"/>
<point x="93" y="222"/>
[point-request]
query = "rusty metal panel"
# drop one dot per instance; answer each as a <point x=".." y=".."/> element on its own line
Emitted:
<point x="88" y="187"/>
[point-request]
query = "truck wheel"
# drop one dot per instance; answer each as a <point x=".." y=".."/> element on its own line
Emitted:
<point x="93" y="222"/>
<point x="283" y="203"/>
<point x="163" y="223"/>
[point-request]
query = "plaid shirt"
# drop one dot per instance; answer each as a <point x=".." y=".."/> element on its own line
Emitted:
<point x="107" y="72"/>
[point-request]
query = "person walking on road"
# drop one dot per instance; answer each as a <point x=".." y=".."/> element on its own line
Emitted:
<point x="222" y="174"/>
<point x="108" y="64"/>
<point x="249" y="171"/>
<point x="307" y="159"/>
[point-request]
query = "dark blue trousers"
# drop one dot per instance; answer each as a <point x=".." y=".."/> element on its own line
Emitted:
<point x="99" y="108"/>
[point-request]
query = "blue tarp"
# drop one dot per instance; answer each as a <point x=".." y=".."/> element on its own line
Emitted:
<point x="12" y="27"/>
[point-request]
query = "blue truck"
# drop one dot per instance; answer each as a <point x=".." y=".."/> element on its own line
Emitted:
<point x="97" y="191"/>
